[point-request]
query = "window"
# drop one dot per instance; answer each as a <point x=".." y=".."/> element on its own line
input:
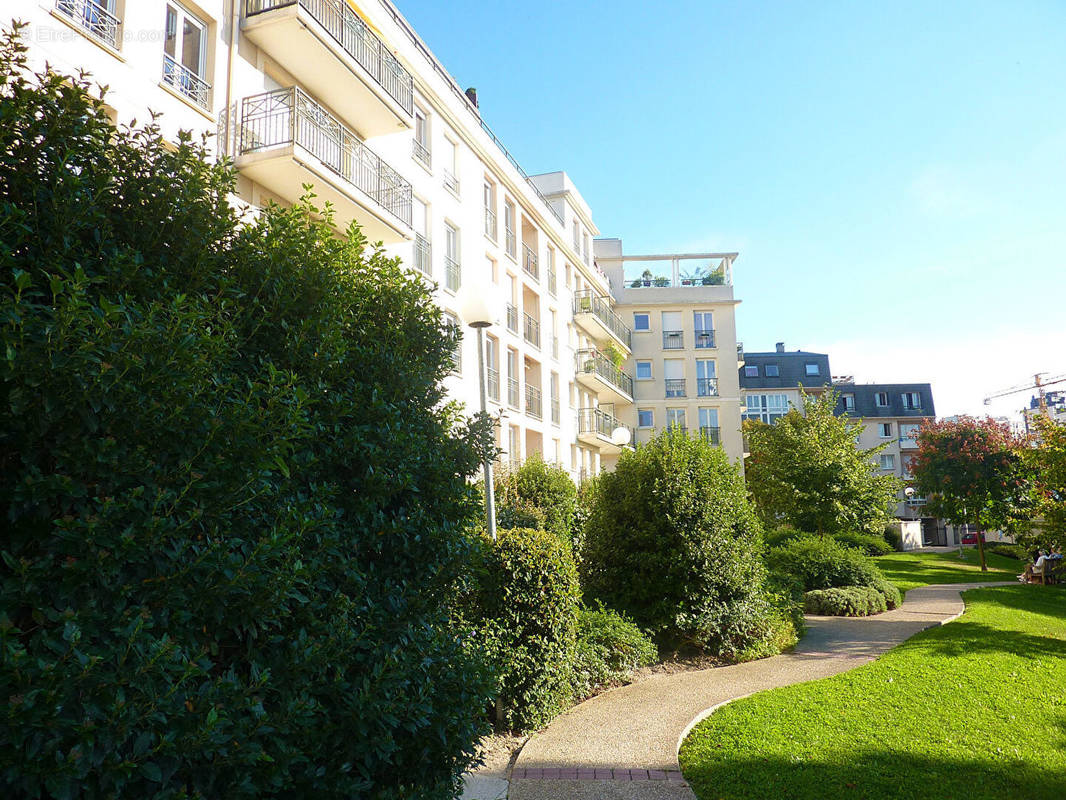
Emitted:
<point x="884" y="430"/>
<point x="420" y="148"/>
<point x="451" y="172"/>
<point x="185" y="55"/>
<point x="912" y="401"/>
<point x="585" y="247"/>
<point x="706" y="382"/>
<point x="772" y="371"/>
<point x="751" y="371"/>
<point x="703" y="325"/>
<point x="766" y="407"/>
<point x="641" y="322"/>
<point x="452" y="274"/>
<point x="645" y="418"/>
<point x="510" y="240"/>
<point x="881" y="399"/>
<point x="909" y="432"/>
<point x="849" y="402"/>
<point x="674" y="375"/>
<point x="577" y="237"/>
<point x="811" y="369"/>
<point x="673" y="336"/>
<point x="490" y="210"/>
<point x="492" y="367"/>
<point x="553" y="286"/>
<point x="423" y="251"/>
<point x="675" y="418"/>
<point x="452" y="322"/>
<point x="513" y="444"/>
<point x="709" y="425"/>
<point x="494" y="269"/>
<point x="644" y="371"/>
<point x="556" y="414"/>
<point x="95" y="16"/>
<point x="888" y="461"/>
<point x="512" y="377"/>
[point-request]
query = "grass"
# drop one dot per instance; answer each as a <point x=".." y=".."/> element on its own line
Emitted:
<point x="911" y="570"/>
<point x="973" y="710"/>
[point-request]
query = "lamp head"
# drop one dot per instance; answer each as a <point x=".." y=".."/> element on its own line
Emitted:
<point x="621" y="436"/>
<point x="479" y="306"/>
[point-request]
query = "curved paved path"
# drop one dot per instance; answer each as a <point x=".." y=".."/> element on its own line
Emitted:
<point x="622" y="745"/>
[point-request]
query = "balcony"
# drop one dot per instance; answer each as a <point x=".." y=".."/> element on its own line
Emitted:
<point x="186" y="82"/>
<point x="598" y="374"/>
<point x="421" y="154"/>
<point x="706" y="387"/>
<point x="593" y="313"/>
<point x="533" y="402"/>
<point x="453" y="277"/>
<point x="451" y="183"/>
<point x="531" y="330"/>
<point x="509" y="242"/>
<point x="908" y="443"/>
<point x="512" y="392"/>
<point x="423" y="254"/>
<point x="288" y="140"/>
<point x="675" y="387"/>
<point x="673" y="340"/>
<point x="704" y="340"/>
<point x="512" y="318"/>
<point x="92" y="18"/>
<point x="492" y="382"/>
<point x="529" y="262"/>
<point x="596" y="427"/>
<point x="323" y="44"/>
<point x="712" y="435"/>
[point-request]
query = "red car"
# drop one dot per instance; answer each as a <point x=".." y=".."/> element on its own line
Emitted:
<point x="970" y="538"/>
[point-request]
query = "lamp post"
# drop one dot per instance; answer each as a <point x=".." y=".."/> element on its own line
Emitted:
<point x="620" y="436"/>
<point x="478" y="309"/>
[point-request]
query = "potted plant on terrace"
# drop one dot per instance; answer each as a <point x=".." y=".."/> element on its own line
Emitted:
<point x="645" y="277"/>
<point x="661" y="282"/>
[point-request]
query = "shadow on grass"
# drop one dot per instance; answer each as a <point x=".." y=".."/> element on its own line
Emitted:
<point x="871" y="775"/>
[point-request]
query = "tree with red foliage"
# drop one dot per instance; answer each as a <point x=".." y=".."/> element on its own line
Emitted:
<point x="972" y="472"/>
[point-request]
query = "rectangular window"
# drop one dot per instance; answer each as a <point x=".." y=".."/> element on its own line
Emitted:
<point x="772" y="371"/>
<point x="641" y="322"/>
<point x="585" y="248"/>
<point x="452" y="322"/>
<point x="881" y="399"/>
<point x="849" y="402"/>
<point x="512" y="377"/>
<point x="451" y="172"/>
<point x="645" y="418"/>
<point x="490" y="209"/>
<point x="888" y="461"/>
<point x="644" y="371"/>
<point x="420" y="148"/>
<point x="492" y="367"/>
<point x="423" y="250"/>
<point x="452" y="274"/>
<point x="811" y="369"/>
<point x="709" y="429"/>
<point x="673" y="336"/>
<point x="912" y="401"/>
<point x="884" y="430"/>
<point x="909" y="431"/>
<point x="706" y="380"/>
<point x="703" y="325"/>
<point x="577" y="237"/>
<point x="510" y="240"/>
<point x="766" y="407"/>
<point x="675" y="418"/>
<point x="185" y="55"/>
<point x="751" y="371"/>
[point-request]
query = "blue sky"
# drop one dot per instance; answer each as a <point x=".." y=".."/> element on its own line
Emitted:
<point x="893" y="174"/>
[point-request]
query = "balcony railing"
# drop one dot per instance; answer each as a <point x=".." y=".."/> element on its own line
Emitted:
<point x="740" y="351"/>
<point x="93" y="18"/>
<point x="356" y="39"/>
<point x="594" y="420"/>
<point x="290" y="116"/>
<point x="451" y="183"/>
<point x="555" y="347"/>
<point x="531" y="330"/>
<point x="675" y="387"/>
<point x="706" y="387"/>
<point x="453" y="278"/>
<point x="553" y="286"/>
<point x="512" y="318"/>
<point x="704" y="340"/>
<point x="557" y="416"/>
<point x="423" y="254"/>
<point x="421" y="153"/>
<point x="493" y="383"/>
<point x="529" y="262"/>
<point x="533" y="402"/>
<point x="490" y="224"/>
<point x="673" y="340"/>
<point x="510" y="242"/>
<point x="512" y="392"/>
<point x="183" y="79"/>
<point x="593" y="362"/>
<point x="711" y="434"/>
<point x="586" y="301"/>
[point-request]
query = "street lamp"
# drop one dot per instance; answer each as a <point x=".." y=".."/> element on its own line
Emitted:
<point x="479" y="310"/>
<point x="621" y="436"/>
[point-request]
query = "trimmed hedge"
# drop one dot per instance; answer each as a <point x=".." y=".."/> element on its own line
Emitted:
<point x="544" y="489"/>
<point x="1008" y="550"/>
<point x="868" y="543"/>
<point x="894" y="538"/>
<point x="845" y="601"/>
<point x="823" y="564"/>
<point x="893" y="596"/>
<point x="529" y="599"/>
<point x="609" y="647"/>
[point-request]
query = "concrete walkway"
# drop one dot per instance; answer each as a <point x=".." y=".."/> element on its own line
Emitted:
<point x="622" y="745"/>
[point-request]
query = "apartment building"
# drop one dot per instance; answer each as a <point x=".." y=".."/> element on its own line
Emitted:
<point x="682" y="314"/>
<point x="771" y="381"/>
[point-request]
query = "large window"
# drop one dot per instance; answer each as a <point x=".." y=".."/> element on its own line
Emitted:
<point x="881" y="399"/>
<point x="849" y="401"/>
<point x="645" y="418"/>
<point x="912" y="401"/>
<point x="888" y="461"/>
<point x="703" y="325"/>
<point x="706" y="381"/>
<point x="773" y="371"/>
<point x="185" y="55"/>
<point x="675" y="418"/>
<point x="641" y="321"/>
<point x="490" y="210"/>
<point x="751" y="371"/>
<point x="766" y="407"/>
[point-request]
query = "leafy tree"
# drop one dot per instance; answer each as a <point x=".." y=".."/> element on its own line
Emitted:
<point x="971" y="472"/>
<point x="234" y="498"/>
<point x="806" y="471"/>
<point x="1047" y="460"/>
<point x="538" y="490"/>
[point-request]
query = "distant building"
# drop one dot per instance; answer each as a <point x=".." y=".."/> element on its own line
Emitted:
<point x="1054" y="408"/>
<point x="771" y="382"/>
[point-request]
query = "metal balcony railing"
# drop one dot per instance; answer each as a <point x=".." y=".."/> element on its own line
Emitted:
<point x="593" y="362"/>
<point x="423" y="254"/>
<point x="531" y="330"/>
<point x="529" y="262"/>
<point x="706" y="387"/>
<point x="711" y="434"/>
<point x="349" y="31"/>
<point x="180" y="77"/>
<point x="492" y="380"/>
<point x="290" y="116"/>
<point x="512" y="392"/>
<point x="421" y="153"/>
<point x="451" y="182"/>
<point x="490" y="224"/>
<point x="594" y="420"/>
<point x="673" y="340"/>
<point x="675" y="387"/>
<point x="553" y="286"/>
<point x="557" y="415"/>
<point x="512" y="318"/>
<point x="510" y="242"/>
<point x="704" y="340"/>
<point x="93" y="18"/>
<point x="533" y="402"/>
<point x="587" y="301"/>
<point x="453" y="277"/>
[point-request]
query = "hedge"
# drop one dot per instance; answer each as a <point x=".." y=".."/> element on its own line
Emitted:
<point x="845" y="601"/>
<point x="823" y="563"/>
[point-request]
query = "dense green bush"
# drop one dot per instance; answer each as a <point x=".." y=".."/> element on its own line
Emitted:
<point x="823" y="563"/>
<point x="868" y="543"/>
<point x="609" y="648"/>
<point x="845" y="601"/>
<point x="528" y="600"/>
<point x="544" y="487"/>
<point x="233" y="496"/>
<point x="519" y="513"/>
<point x="673" y="543"/>
<point x="1008" y="551"/>
<point x="893" y="537"/>
<point x="777" y="536"/>
<point x="893" y="596"/>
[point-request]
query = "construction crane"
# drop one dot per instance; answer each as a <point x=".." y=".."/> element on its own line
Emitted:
<point x="1038" y="383"/>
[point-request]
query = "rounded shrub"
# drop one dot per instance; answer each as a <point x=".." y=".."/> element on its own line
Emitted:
<point x="823" y="563"/>
<point x="609" y="647"/>
<point x="868" y="543"/>
<point x="893" y="596"/>
<point x="673" y="543"/>
<point x="529" y="598"/>
<point x="1008" y="551"/>
<point x="544" y="487"/>
<point x="845" y="601"/>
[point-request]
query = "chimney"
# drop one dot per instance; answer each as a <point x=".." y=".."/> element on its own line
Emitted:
<point x="780" y="347"/>
<point x="471" y="95"/>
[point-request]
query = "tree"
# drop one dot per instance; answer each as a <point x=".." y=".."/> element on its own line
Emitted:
<point x="971" y="472"/>
<point x="806" y="471"/>
<point x="235" y="501"/>
<point x="1047" y="460"/>
<point x="538" y="489"/>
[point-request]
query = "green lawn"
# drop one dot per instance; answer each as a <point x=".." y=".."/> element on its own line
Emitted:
<point x="973" y="710"/>
<point x="910" y="570"/>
